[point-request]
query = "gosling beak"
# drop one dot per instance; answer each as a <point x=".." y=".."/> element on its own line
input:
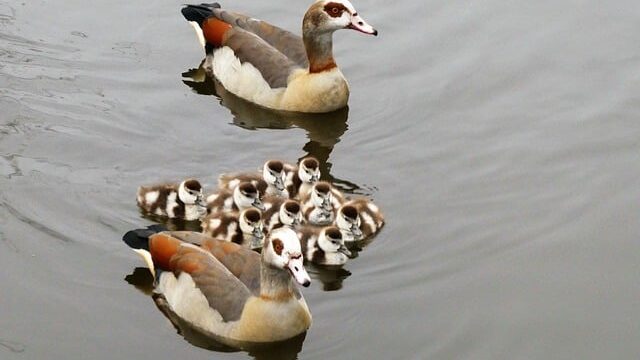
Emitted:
<point x="257" y="232"/>
<point x="256" y="243"/>
<point x="343" y="249"/>
<point x="257" y="203"/>
<point x="200" y="201"/>
<point x="355" y="230"/>
<point x="279" y="184"/>
<point x="358" y="24"/>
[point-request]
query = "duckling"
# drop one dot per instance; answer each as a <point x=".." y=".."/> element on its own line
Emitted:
<point x="358" y="219"/>
<point x="270" y="182"/>
<point x="323" y="246"/>
<point x="301" y="178"/>
<point x="245" y="228"/>
<point x="183" y="200"/>
<point x="318" y="206"/>
<point x="282" y="212"/>
<point x="244" y="196"/>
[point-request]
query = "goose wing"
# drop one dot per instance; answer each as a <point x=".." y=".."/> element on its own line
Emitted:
<point x="224" y="292"/>
<point x="271" y="50"/>
<point x="284" y="41"/>
<point x="243" y="263"/>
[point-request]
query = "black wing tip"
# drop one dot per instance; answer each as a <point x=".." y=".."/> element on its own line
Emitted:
<point x="139" y="238"/>
<point x="198" y="13"/>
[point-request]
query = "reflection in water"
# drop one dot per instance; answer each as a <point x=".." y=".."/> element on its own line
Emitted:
<point x="13" y="346"/>
<point x="142" y="279"/>
<point x="323" y="130"/>
<point x="331" y="277"/>
<point x="172" y="224"/>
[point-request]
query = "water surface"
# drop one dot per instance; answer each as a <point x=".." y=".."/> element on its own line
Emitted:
<point x="501" y="140"/>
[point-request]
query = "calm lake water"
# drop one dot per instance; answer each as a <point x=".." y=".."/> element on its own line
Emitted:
<point x="502" y="140"/>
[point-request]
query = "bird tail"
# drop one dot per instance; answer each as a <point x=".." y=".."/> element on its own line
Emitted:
<point x="209" y="29"/>
<point x="138" y="240"/>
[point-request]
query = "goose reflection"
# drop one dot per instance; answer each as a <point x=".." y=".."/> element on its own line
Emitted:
<point x="323" y="130"/>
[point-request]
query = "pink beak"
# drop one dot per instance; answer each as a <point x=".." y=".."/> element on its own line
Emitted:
<point x="297" y="270"/>
<point x="358" y="24"/>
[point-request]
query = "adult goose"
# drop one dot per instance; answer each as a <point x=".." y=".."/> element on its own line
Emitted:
<point x="275" y="68"/>
<point x="226" y="292"/>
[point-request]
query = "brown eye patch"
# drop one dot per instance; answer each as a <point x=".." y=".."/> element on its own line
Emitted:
<point x="335" y="9"/>
<point x="277" y="246"/>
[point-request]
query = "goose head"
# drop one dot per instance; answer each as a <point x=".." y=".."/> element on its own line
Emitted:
<point x="273" y="174"/>
<point x="190" y="193"/>
<point x="290" y="214"/>
<point x="246" y="195"/>
<point x="348" y="221"/>
<point x="321" y="196"/>
<point x="309" y="170"/>
<point x="330" y="241"/>
<point x="251" y="224"/>
<point x="282" y="250"/>
<point x="327" y="16"/>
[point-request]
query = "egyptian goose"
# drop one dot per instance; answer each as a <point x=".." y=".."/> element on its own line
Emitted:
<point x="299" y="179"/>
<point x="323" y="246"/>
<point x="358" y="219"/>
<point x="182" y="201"/>
<point x="245" y="228"/>
<point x="281" y="212"/>
<point x="270" y="182"/>
<point x="320" y="204"/>
<point x="231" y="294"/>
<point x="272" y="67"/>
<point x="243" y="196"/>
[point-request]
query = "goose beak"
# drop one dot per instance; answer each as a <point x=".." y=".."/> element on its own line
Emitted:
<point x="200" y="201"/>
<point x="297" y="270"/>
<point x="256" y="243"/>
<point x="258" y="204"/>
<point x="358" y="24"/>
<point x="343" y="249"/>
<point x="279" y="184"/>
<point x="355" y="230"/>
<point x="257" y="233"/>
